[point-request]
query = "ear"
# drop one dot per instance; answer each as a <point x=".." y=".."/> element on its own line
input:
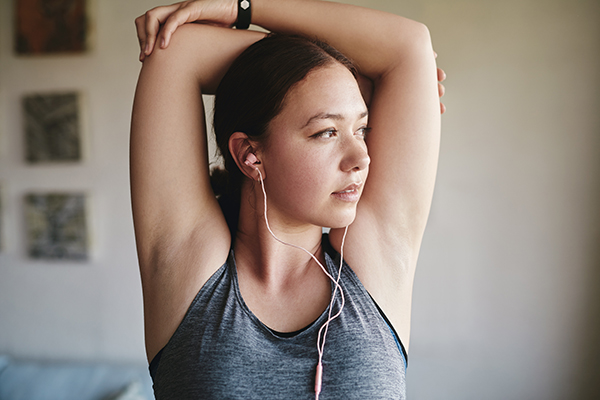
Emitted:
<point x="244" y="155"/>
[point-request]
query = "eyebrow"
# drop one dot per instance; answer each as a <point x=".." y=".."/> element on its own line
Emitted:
<point x="337" y="117"/>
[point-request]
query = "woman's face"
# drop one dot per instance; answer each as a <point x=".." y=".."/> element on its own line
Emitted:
<point x="315" y="158"/>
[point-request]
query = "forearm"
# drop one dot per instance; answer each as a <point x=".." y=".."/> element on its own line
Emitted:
<point x="376" y="41"/>
<point x="202" y="54"/>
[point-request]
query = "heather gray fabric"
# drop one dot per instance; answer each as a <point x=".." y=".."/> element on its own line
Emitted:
<point x="222" y="351"/>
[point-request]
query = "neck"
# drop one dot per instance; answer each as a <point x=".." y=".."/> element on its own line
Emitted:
<point x="263" y="256"/>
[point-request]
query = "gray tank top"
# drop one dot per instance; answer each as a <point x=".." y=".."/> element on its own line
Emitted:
<point x="221" y="350"/>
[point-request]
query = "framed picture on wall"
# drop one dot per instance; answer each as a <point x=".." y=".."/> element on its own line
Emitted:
<point x="50" y="26"/>
<point x="56" y="226"/>
<point x="52" y="124"/>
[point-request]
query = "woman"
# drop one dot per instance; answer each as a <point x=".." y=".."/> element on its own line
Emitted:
<point x="230" y="311"/>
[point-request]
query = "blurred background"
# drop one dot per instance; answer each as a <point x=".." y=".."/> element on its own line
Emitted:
<point x="507" y="292"/>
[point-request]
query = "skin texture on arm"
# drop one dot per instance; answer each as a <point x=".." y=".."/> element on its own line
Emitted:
<point x="181" y="235"/>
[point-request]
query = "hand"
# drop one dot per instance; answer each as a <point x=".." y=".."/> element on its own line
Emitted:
<point x="441" y="75"/>
<point x="213" y="12"/>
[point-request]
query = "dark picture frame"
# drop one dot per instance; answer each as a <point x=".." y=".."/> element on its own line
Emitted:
<point x="52" y="124"/>
<point x="56" y="226"/>
<point x="50" y="26"/>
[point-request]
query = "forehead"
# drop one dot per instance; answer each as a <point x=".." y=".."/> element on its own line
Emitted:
<point x="329" y="90"/>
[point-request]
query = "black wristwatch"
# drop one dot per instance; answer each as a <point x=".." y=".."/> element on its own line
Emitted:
<point x="244" y="15"/>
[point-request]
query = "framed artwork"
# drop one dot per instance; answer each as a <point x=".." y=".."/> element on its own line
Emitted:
<point x="50" y="26"/>
<point x="52" y="127"/>
<point x="56" y="226"/>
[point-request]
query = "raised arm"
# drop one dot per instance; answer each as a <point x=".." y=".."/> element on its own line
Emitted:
<point x="181" y="234"/>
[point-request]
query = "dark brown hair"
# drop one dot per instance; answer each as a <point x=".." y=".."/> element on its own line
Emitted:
<point x="252" y="93"/>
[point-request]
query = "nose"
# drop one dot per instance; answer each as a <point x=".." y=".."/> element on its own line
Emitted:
<point x="356" y="156"/>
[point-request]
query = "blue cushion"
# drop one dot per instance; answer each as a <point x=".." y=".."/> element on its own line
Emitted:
<point x="133" y="391"/>
<point x="4" y="361"/>
<point x="69" y="381"/>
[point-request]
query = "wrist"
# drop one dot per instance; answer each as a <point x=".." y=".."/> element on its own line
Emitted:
<point x="260" y="8"/>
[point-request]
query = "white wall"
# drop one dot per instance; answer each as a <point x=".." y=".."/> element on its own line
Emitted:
<point x="506" y="303"/>
<point x="508" y="273"/>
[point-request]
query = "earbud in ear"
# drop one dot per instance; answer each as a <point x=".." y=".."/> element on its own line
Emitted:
<point x="251" y="160"/>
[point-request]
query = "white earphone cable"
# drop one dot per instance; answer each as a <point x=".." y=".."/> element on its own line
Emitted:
<point x="324" y="328"/>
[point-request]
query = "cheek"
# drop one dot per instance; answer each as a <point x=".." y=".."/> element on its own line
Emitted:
<point x="299" y="181"/>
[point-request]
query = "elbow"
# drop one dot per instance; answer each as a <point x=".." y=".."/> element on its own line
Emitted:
<point x="410" y="43"/>
<point x="415" y="38"/>
<point x="422" y="32"/>
<point x="406" y="41"/>
<point x="403" y="34"/>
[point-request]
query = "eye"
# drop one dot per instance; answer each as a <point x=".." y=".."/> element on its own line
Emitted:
<point x="327" y="133"/>
<point x="363" y="132"/>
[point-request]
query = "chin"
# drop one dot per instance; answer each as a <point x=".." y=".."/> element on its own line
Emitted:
<point x="340" y="220"/>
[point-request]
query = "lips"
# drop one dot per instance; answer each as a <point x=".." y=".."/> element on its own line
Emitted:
<point x="350" y="193"/>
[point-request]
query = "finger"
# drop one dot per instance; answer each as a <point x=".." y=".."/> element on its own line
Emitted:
<point x="154" y="18"/>
<point x="151" y="25"/>
<point x="141" y="34"/>
<point x="441" y="89"/>
<point x="441" y="75"/>
<point x="442" y="108"/>
<point x="434" y="54"/>
<point x="174" y="21"/>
